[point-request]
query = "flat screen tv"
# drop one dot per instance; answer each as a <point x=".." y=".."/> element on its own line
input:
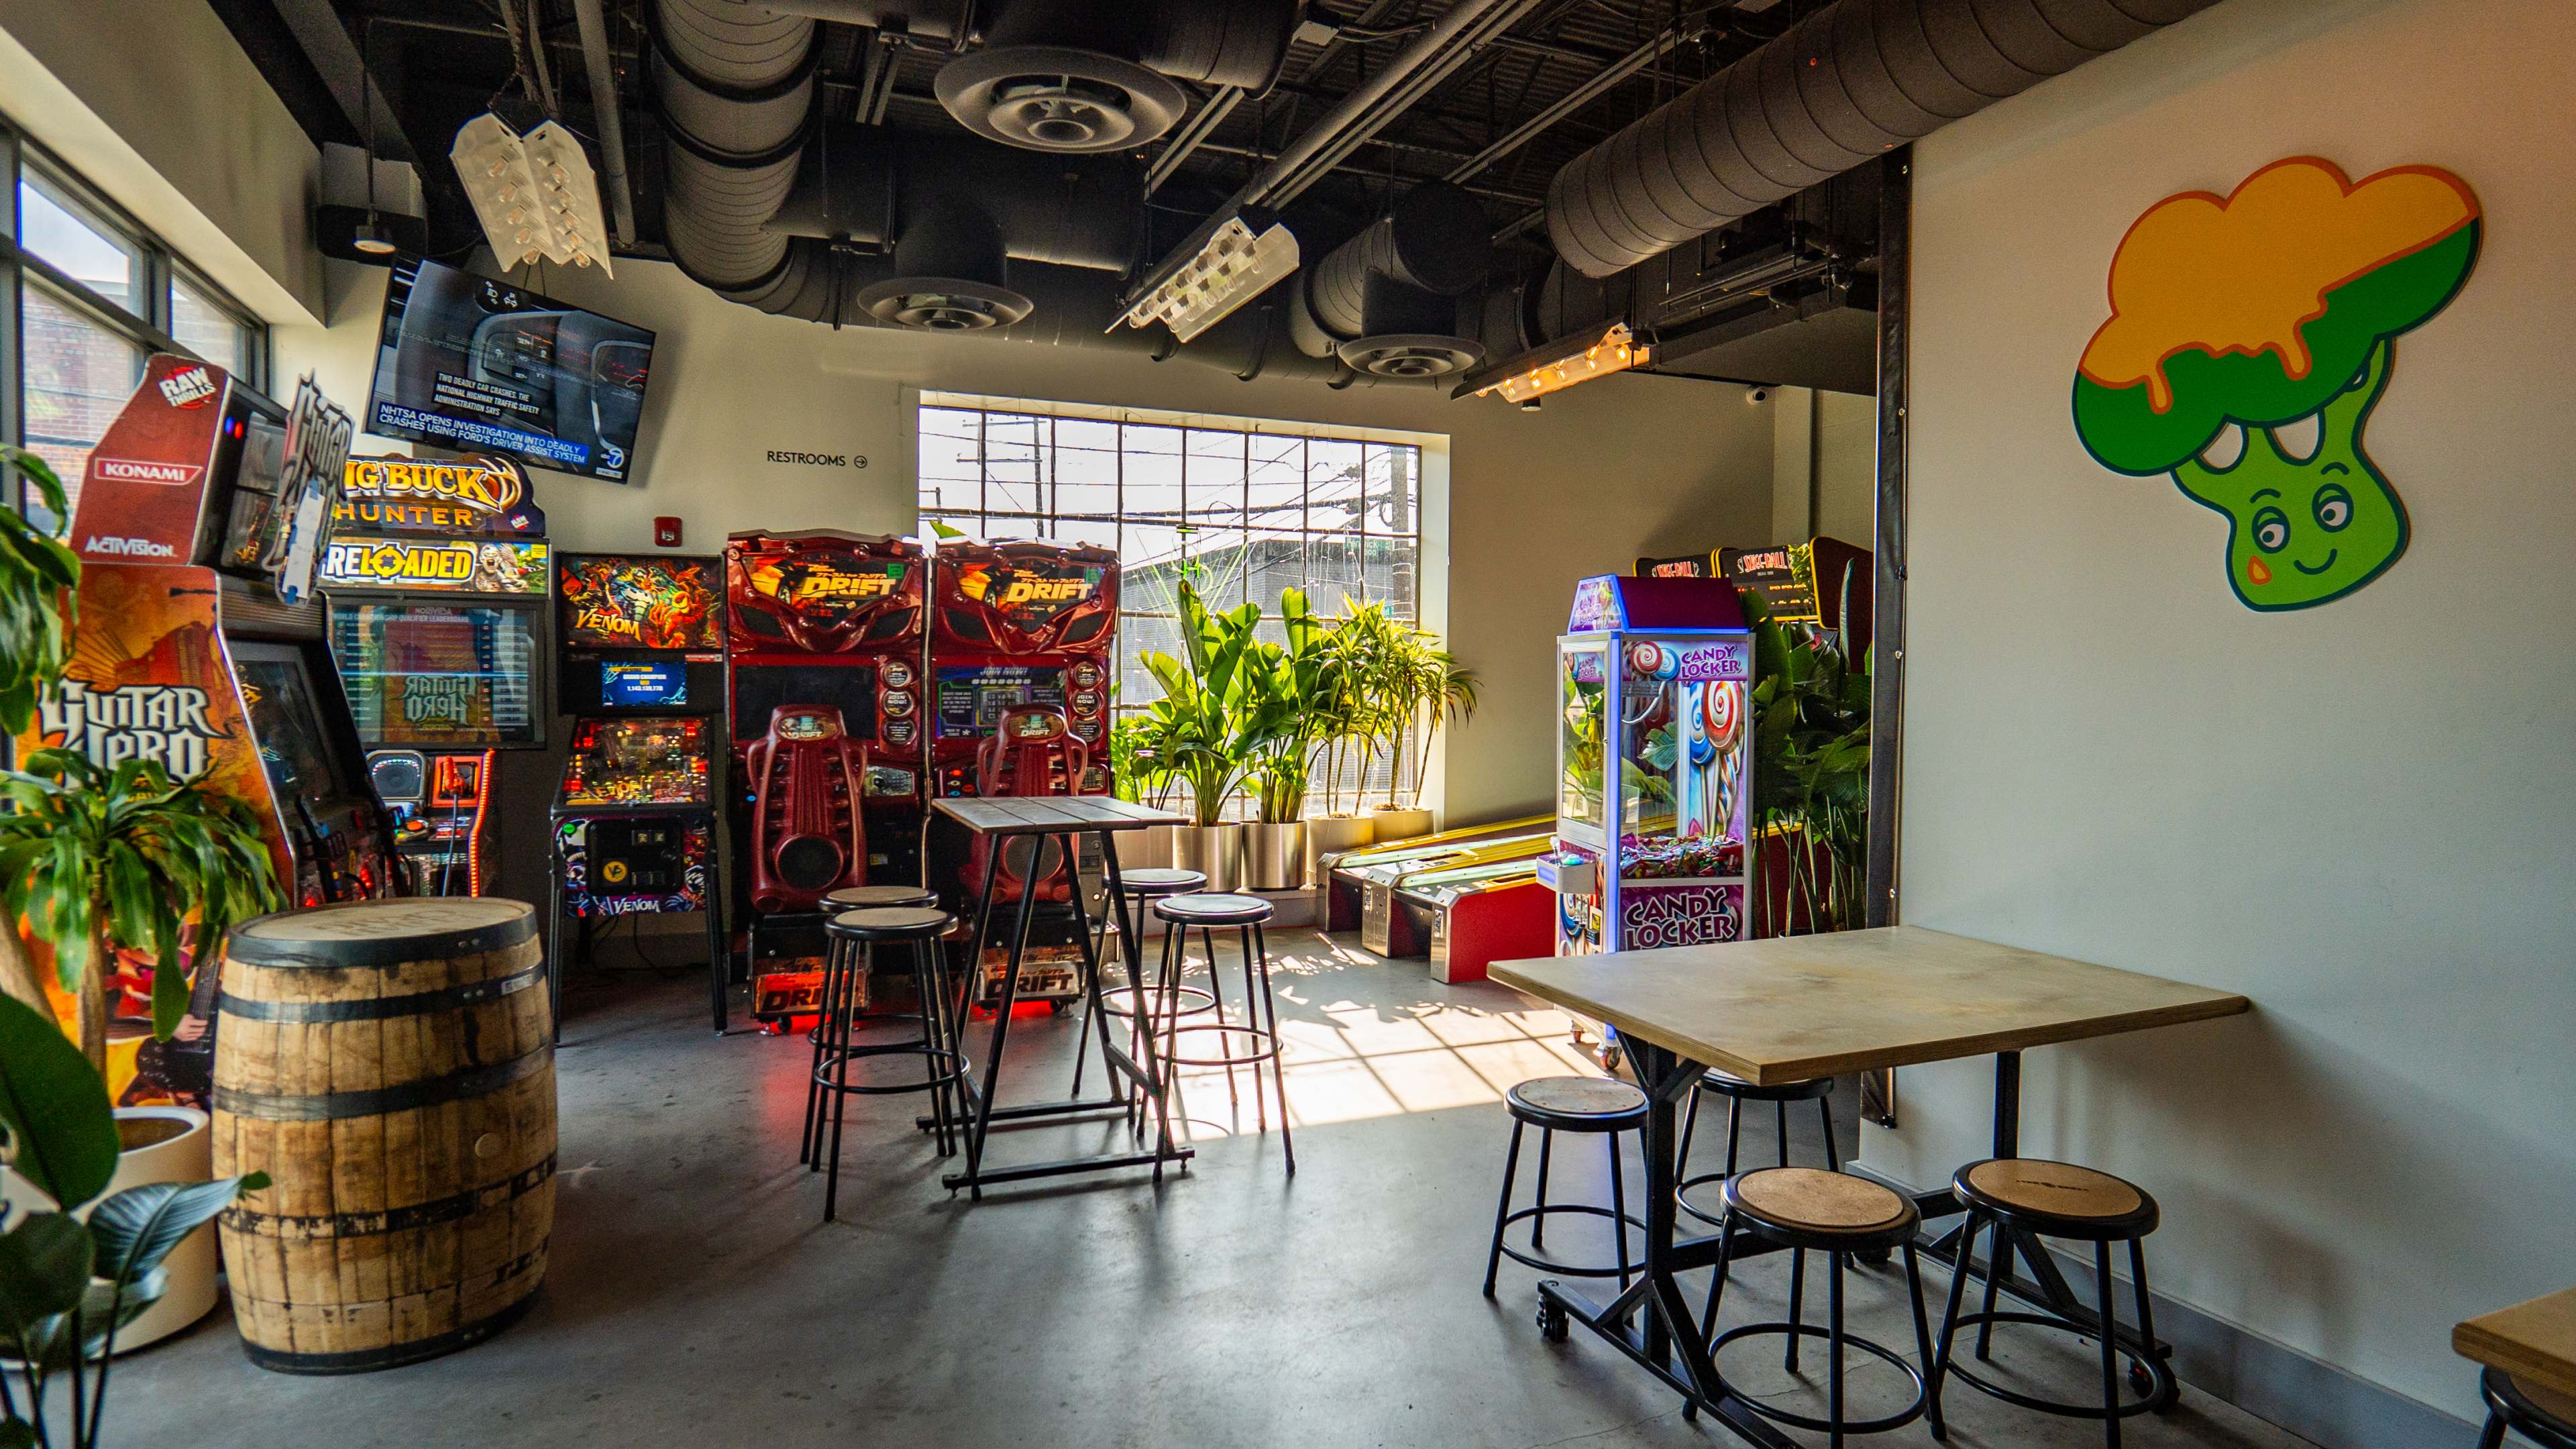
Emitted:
<point x="469" y="363"/>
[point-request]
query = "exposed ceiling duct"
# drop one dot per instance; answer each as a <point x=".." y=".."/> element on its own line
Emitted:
<point x="1850" y="82"/>
<point x="1386" y="302"/>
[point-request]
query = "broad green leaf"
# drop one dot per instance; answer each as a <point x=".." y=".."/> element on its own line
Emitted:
<point x="61" y="1130"/>
<point x="137" y="1228"/>
<point x="44" y="1265"/>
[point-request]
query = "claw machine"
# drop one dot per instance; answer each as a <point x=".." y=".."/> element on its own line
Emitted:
<point x="1654" y="766"/>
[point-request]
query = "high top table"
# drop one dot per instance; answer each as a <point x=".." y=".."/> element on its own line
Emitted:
<point x="1801" y="1007"/>
<point x="1060" y="819"/>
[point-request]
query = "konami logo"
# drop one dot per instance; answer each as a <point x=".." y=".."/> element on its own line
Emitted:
<point x="189" y="387"/>
<point x="135" y="470"/>
<point x="128" y="547"/>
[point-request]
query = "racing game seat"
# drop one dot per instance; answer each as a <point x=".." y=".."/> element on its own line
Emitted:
<point x="1031" y="751"/>
<point x="808" y="835"/>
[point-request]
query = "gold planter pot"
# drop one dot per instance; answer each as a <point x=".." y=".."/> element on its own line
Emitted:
<point x="1213" y="850"/>
<point x="1274" y="857"/>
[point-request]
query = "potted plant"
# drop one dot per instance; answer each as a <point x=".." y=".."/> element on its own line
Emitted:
<point x="82" y="1264"/>
<point x="99" y="861"/>
<point x="1205" y="730"/>
<point x="1294" y="691"/>
<point x="1810" y="807"/>
<point x="1405" y="688"/>
<point x="1344" y="735"/>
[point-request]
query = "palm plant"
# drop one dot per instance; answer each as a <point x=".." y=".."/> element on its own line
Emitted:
<point x="1810" y="768"/>
<point x="1213" y="716"/>
<point x="68" y="1285"/>
<point x="1299" y="685"/>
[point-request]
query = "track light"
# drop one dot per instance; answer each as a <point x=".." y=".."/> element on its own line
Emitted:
<point x="535" y="194"/>
<point x="1234" y="264"/>
<point x="371" y="236"/>
<point x="1557" y="365"/>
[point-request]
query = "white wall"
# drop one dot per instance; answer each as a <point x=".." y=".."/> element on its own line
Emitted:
<point x="1601" y="474"/>
<point x="155" y="104"/>
<point x="2362" y="815"/>
<point x="1824" y="468"/>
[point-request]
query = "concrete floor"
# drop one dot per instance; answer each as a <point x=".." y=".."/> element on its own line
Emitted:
<point x="696" y="1297"/>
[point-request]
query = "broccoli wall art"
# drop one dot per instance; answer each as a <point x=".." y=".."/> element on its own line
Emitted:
<point x="2250" y="336"/>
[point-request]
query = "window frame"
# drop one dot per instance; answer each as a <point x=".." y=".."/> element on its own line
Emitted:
<point x="163" y="270"/>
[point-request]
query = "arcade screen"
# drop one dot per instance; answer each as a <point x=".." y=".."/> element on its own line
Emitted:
<point x="613" y="601"/>
<point x="759" y="689"/>
<point x="970" y="700"/>
<point x="467" y="362"/>
<point x="634" y="684"/>
<point x="441" y="676"/>
<point x="637" y="762"/>
<point x="286" y="717"/>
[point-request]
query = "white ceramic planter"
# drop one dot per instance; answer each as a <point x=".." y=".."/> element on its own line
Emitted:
<point x="172" y="1145"/>
<point x="1274" y="857"/>
<point x="1214" y="850"/>
<point x="1395" y="825"/>
<point x="1332" y="834"/>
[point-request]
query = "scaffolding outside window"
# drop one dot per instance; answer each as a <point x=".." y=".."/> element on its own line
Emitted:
<point x="1244" y="513"/>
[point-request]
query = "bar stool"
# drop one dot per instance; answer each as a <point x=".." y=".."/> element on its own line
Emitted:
<point x="1143" y="886"/>
<point x="1737" y="1092"/>
<point x="1805" y="1209"/>
<point x="853" y="937"/>
<point x="864" y="898"/>
<point x="1601" y="1106"/>
<point x="1245" y="914"/>
<point x="2512" y="1405"/>
<point x="2058" y="1200"/>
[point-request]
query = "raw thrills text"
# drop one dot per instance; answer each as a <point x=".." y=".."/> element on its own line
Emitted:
<point x="439" y="699"/>
<point x="164" y="723"/>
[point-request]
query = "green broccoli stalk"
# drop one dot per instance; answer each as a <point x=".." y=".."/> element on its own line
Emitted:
<point x="2212" y="331"/>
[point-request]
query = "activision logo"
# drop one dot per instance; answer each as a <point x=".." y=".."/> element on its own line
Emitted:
<point x="163" y="722"/>
<point x="104" y="545"/>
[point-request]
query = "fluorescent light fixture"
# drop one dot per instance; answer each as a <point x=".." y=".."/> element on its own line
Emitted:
<point x="1561" y="364"/>
<point x="1234" y="265"/>
<point x="536" y="194"/>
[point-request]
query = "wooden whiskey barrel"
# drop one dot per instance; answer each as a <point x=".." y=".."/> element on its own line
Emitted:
<point x="390" y="1066"/>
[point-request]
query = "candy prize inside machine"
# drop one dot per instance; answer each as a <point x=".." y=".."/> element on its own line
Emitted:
<point x="824" y="701"/>
<point x="1021" y="636"/>
<point x="199" y="645"/>
<point x="1654" y="767"/>
<point x="634" y="818"/>
<point x="438" y="574"/>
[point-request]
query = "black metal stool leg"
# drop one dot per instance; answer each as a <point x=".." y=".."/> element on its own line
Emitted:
<point x="1922" y="1339"/>
<point x="1833" y="1151"/>
<point x="841" y="1015"/>
<point x="2492" y="1436"/>
<point x="1734" y="1130"/>
<point x="2167" y="1389"/>
<point x="1781" y="1116"/>
<point x="814" y="1072"/>
<point x="934" y="1066"/>
<point x="1995" y="1260"/>
<point x="1716" y="1285"/>
<point x="1278" y="1047"/>
<point x="1834" y="1341"/>
<point x="1690" y="1125"/>
<point x="1797" y="1306"/>
<point x="1618" y="1207"/>
<point x="1538" y="1225"/>
<point x="1950" y="1315"/>
<point x="1216" y="993"/>
<point x="1503" y="1207"/>
<point x="2110" y="1345"/>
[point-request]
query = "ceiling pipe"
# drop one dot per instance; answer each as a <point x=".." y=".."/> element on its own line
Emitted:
<point x="1192" y="136"/>
<point x="1850" y="82"/>
<point x="1574" y="100"/>
<point x="604" y="108"/>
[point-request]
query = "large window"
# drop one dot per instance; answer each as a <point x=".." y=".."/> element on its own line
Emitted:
<point x="1243" y="512"/>
<point x="93" y="294"/>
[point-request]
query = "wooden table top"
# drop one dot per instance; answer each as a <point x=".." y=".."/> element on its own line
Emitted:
<point x="1796" y="1008"/>
<point x="2535" y="1342"/>
<point x="1051" y="814"/>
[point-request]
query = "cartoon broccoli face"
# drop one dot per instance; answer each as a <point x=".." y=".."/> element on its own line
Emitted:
<point x="2237" y="320"/>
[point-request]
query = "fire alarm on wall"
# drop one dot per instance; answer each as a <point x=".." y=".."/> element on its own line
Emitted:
<point x="666" y="532"/>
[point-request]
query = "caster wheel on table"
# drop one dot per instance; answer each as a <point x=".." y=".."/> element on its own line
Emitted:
<point x="1552" y="1322"/>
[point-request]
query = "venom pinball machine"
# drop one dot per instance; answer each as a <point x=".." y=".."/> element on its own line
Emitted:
<point x="1022" y="636"/>
<point x="199" y="645"/>
<point x="824" y="704"/>
<point x="635" y="818"/>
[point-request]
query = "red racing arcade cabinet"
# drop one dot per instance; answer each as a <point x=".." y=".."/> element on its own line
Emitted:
<point x="1021" y="652"/>
<point x="824" y="699"/>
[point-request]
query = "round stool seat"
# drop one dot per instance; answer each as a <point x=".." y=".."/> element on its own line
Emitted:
<point x="1719" y="1084"/>
<point x="2057" y="1199"/>
<point x="889" y="923"/>
<point x="1817" y="1208"/>
<point x="874" y="897"/>
<point x="1217" y="909"/>
<point x="1577" y="1104"/>
<point x="1158" y="880"/>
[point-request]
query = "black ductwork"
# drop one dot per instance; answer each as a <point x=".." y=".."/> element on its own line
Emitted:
<point x="1386" y="302"/>
<point x="1848" y="83"/>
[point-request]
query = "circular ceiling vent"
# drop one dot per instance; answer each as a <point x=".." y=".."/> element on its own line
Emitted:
<point x="1052" y="98"/>
<point x="1410" y="357"/>
<point x="943" y="304"/>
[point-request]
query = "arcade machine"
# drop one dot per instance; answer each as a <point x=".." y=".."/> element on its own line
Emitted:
<point x="1654" y="766"/>
<point x="1344" y="875"/>
<point x="200" y="645"/>
<point x="1021" y="641"/>
<point x="1476" y="915"/>
<point x="437" y="576"/>
<point x="634" y="819"/>
<point x="1388" y="929"/>
<point x="824" y="701"/>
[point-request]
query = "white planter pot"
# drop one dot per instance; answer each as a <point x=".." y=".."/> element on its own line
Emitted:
<point x="1332" y="834"/>
<point x="1274" y="857"/>
<point x="172" y="1145"/>
<point x="1146" y="849"/>
<point x="1214" y="850"/>
<point x="1395" y="825"/>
